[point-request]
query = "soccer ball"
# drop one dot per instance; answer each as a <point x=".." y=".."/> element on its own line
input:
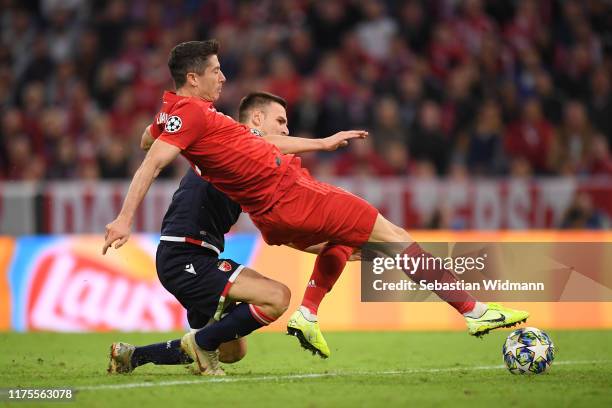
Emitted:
<point x="528" y="351"/>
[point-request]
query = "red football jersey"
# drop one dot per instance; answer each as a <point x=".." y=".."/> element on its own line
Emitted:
<point x="251" y="171"/>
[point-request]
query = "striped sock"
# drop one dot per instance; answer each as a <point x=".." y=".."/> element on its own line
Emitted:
<point x="242" y="320"/>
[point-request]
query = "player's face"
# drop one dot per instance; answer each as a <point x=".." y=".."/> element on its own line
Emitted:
<point x="274" y="119"/>
<point x="211" y="81"/>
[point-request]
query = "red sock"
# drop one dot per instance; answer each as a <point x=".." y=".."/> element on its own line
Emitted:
<point x="461" y="300"/>
<point x="327" y="269"/>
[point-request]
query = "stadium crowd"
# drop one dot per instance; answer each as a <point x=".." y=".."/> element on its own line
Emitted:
<point x="445" y="87"/>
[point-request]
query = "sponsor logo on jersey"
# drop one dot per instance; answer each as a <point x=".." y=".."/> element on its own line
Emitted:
<point x="161" y="118"/>
<point x="224" y="266"/>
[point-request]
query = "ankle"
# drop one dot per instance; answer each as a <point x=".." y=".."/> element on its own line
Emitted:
<point x="478" y="310"/>
<point x="308" y="314"/>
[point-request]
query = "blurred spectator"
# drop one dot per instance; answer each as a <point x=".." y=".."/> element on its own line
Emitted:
<point x="61" y="33"/>
<point x="427" y="141"/>
<point x="39" y="66"/>
<point x="414" y="25"/>
<point x="529" y="64"/>
<point x="600" y="161"/>
<point x="123" y="112"/>
<point x="473" y="25"/>
<point x="523" y="29"/>
<point x="87" y="57"/>
<point x="113" y="160"/>
<point x="33" y="101"/>
<point x="581" y="214"/>
<point x="396" y="157"/>
<point x="550" y="97"/>
<point x="492" y="60"/>
<point x="111" y="25"/>
<point x="511" y="105"/>
<point x="53" y="124"/>
<point x="573" y="143"/>
<point x="446" y="51"/>
<point x="283" y="79"/>
<point x="303" y="52"/>
<point x="600" y="102"/>
<point x="63" y="164"/>
<point x="387" y="126"/>
<point x="376" y="31"/>
<point x="19" y="158"/>
<point x="520" y="168"/>
<point x="410" y="93"/>
<point x="18" y="34"/>
<point x="485" y="153"/>
<point x="531" y="137"/>
<point x="458" y="109"/>
<point x="307" y="115"/>
<point x="329" y="21"/>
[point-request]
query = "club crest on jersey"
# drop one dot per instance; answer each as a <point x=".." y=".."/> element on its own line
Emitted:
<point x="173" y="124"/>
<point x="224" y="266"/>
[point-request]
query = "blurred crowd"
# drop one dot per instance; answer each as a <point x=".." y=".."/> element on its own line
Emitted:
<point x="445" y="87"/>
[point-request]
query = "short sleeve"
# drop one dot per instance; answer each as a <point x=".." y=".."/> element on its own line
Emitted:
<point x="156" y="128"/>
<point x="183" y="126"/>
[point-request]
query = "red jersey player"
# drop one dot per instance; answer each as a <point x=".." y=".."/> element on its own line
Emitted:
<point x="282" y="199"/>
<point x="266" y="111"/>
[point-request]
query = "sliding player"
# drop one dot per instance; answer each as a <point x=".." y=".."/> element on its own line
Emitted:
<point x="188" y="263"/>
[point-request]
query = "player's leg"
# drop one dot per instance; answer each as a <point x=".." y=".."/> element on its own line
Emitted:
<point x="233" y="351"/>
<point x="328" y="267"/>
<point x="480" y="317"/>
<point x="303" y="323"/>
<point x="263" y="301"/>
<point x="125" y="357"/>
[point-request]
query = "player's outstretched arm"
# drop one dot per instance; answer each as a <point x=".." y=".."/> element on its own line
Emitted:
<point x="294" y="145"/>
<point x="158" y="157"/>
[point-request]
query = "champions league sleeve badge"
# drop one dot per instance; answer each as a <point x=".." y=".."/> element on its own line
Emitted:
<point x="173" y="124"/>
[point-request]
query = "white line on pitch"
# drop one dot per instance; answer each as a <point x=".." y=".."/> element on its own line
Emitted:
<point x="235" y="379"/>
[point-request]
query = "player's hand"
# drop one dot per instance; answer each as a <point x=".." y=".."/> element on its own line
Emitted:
<point x="341" y="139"/>
<point x="117" y="231"/>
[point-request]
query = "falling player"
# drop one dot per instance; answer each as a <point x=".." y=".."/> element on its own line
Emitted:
<point x="188" y="263"/>
<point x="286" y="204"/>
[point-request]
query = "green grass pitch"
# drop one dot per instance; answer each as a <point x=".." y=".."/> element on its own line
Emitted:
<point x="367" y="369"/>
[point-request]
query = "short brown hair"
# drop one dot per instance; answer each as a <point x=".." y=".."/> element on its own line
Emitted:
<point x="257" y="100"/>
<point x="190" y="56"/>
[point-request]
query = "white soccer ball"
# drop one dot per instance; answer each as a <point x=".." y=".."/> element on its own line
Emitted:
<point x="528" y="351"/>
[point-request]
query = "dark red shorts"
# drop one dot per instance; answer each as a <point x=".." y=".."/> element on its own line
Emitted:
<point x="310" y="212"/>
